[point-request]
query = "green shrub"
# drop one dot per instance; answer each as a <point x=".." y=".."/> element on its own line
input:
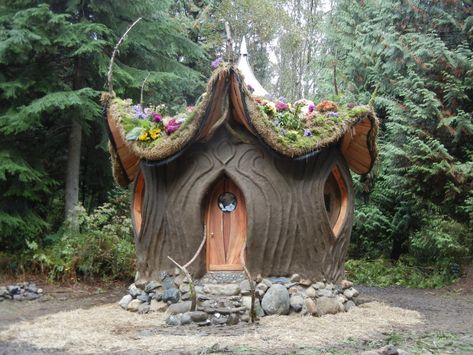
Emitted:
<point x="101" y="247"/>
<point x="383" y="273"/>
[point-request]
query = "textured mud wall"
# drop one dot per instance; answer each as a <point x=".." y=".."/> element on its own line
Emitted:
<point x="288" y="229"/>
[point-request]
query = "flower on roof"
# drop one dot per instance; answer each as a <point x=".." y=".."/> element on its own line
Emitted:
<point x="270" y="108"/>
<point x="143" y="137"/>
<point x="350" y="105"/>
<point x="250" y="88"/>
<point x="311" y="107"/>
<point x="307" y="132"/>
<point x="326" y="105"/>
<point x="215" y="64"/>
<point x="138" y="112"/>
<point x="156" y="117"/>
<point x="172" y="126"/>
<point x="190" y="109"/>
<point x="155" y="133"/>
<point x="281" y="106"/>
<point x="332" y="114"/>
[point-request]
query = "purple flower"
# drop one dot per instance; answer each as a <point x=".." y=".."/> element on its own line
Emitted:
<point x="214" y="65"/>
<point x="283" y="99"/>
<point x="138" y="112"/>
<point x="156" y="117"/>
<point x="311" y="107"/>
<point x="281" y="106"/>
<point x="250" y="88"/>
<point x="307" y="132"/>
<point x="332" y="114"/>
<point x="172" y="126"/>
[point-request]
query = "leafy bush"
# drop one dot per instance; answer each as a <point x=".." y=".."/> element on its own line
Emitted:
<point x="100" y="246"/>
<point x="383" y="273"/>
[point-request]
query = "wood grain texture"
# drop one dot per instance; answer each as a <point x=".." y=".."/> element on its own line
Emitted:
<point x="287" y="229"/>
<point x="129" y="161"/>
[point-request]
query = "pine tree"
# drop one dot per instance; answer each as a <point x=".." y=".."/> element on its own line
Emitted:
<point x="414" y="61"/>
<point x="53" y="62"/>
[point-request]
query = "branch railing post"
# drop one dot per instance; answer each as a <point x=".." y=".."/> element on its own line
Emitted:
<point x="183" y="268"/>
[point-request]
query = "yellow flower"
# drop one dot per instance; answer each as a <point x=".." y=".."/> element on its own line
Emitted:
<point x="154" y="133"/>
<point x="143" y="137"/>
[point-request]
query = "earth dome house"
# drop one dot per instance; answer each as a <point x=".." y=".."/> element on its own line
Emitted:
<point x="265" y="181"/>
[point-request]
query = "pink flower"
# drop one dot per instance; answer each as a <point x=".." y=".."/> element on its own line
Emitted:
<point x="156" y="117"/>
<point x="172" y="126"/>
<point x="189" y="109"/>
<point x="281" y="106"/>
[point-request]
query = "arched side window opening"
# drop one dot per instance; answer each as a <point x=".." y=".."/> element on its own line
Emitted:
<point x="138" y="193"/>
<point x="336" y="200"/>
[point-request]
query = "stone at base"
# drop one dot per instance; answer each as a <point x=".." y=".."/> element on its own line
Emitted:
<point x="198" y="316"/>
<point x="328" y="305"/>
<point x="181" y="307"/>
<point x="297" y="302"/>
<point x="173" y="320"/>
<point x="233" y="319"/>
<point x="172" y="295"/>
<point x="134" y="305"/>
<point x="125" y="301"/>
<point x="186" y="319"/>
<point x="310" y="307"/>
<point x="246" y="302"/>
<point x="349" y="305"/>
<point x="158" y="306"/>
<point x="276" y="300"/>
<point x="144" y="308"/>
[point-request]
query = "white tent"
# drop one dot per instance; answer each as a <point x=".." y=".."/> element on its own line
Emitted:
<point x="247" y="72"/>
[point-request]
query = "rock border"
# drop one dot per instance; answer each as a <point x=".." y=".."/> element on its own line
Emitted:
<point x="229" y="303"/>
<point x="22" y="291"/>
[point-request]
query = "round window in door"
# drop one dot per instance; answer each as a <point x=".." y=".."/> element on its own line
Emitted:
<point x="227" y="202"/>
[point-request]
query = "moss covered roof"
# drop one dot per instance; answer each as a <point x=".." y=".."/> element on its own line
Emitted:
<point x="293" y="131"/>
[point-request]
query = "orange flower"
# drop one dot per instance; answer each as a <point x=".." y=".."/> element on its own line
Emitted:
<point x="326" y="105"/>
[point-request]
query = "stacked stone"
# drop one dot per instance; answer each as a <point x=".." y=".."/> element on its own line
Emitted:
<point x="281" y="295"/>
<point x="230" y="303"/>
<point x="23" y="291"/>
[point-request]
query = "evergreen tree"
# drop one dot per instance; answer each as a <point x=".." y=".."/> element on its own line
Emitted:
<point x="414" y="60"/>
<point x="53" y="63"/>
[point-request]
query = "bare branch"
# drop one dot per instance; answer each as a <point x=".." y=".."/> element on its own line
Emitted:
<point x="114" y="53"/>
<point x="229" y="46"/>
<point x="188" y="275"/>
<point x="143" y="89"/>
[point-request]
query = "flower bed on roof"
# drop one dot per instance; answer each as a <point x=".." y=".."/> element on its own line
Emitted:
<point x="148" y="125"/>
<point x="304" y="125"/>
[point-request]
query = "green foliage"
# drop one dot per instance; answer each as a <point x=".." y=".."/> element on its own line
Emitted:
<point x="101" y="248"/>
<point x="383" y="273"/>
<point x="54" y="57"/>
<point x="414" y="63"/>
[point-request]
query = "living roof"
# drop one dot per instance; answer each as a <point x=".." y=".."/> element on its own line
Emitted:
<point x="228" y="98"/>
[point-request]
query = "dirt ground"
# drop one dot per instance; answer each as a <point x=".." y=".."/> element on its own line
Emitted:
<point x="83" y="319"/>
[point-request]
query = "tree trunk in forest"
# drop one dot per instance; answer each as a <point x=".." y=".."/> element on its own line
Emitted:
<point x="71" y="197"/>
<point x="72" y="173"/>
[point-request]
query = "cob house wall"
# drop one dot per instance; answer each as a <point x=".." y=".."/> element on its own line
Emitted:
<point x="281" y="209"/>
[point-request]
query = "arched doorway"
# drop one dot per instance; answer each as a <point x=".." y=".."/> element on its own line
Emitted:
<point x="226" y="226"/>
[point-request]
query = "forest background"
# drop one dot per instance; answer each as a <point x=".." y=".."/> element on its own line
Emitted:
<point x="412" y="60"/>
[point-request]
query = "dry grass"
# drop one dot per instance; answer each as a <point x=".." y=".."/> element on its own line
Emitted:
<point x="109" y="329"/>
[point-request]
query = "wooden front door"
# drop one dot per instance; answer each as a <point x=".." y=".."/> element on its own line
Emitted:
<point x="226" y="226"/>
